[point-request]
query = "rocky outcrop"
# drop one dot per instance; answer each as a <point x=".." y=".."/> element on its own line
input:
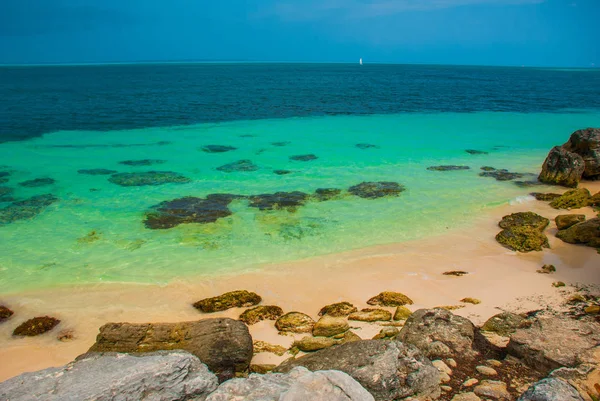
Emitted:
<point x="572" y="199"/>
<point x="232" y="299"/>
<point x="298" y="385"/>
<point x="402" y="313"/>
<point x="279" y="200"/>
<point x="578" y="158"/>
<point x="202" y="338"/>
<point x="338" y="309"/>
<point x="551" y="390"/>
<point x="389" y="370"/>
<point x="295" y="322"/>
<point x="439" y="333"/>
<point x="390" y="298"/>
<point x="36" y="326"/>
<point x="564" y="221"/>
<point x="587" y="233"/>
<point x="262" y="312"/>
<point x="106" y="377"/>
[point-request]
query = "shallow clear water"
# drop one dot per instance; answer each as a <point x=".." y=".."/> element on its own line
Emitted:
<point x="56" y="247"/>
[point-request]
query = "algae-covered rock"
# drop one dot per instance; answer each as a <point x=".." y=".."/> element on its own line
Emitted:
<point x="5" y="313"/>
<point x="502" y="175"/>
<point x="261" y="312"/>
<point x="304" y="158"/>
<point x="470" y="300"/>
<point x="558" y="284"/>
<point x="572" y="199"/>
<point x="390" y="298"/>
<point x="373" y="190"/>
<point x="457" y="273"/>
<point x="562" y="167"/>
<point x="96" y="171"/>
<point x="36" y="326"/>
<point x="238" y="166"/>
<point x="402" y="313"/>
<point x="366" y="146"/>
<point x="522" y="239"/>
<point x="547" y="269"/>
<point x="564" y="221"/>
<point x="143" y="162"/>
<point x="328" y="326"/>
<point x="261" y="368"/>
<point x="312" y="344"/>
<point x="279" y="200"/>
<point x="521" y="219"/>
<point x="262" y="346"/>
<point x="38" y="182"/>
<point x="145" y="178"/>
<point x="448" y="168"/>
<point x="217" y="148"/>
<point x="503" y="324"/>
<point x="295" y="322"/>
<point x="338" y="309"/>
<point x="325" y="194"/>
<point x="282" y="172"/>
<point x="349" y="337"/>
<point x="371" y="315"/>
<point x="233" y="299"/>
<point x="387" y="333"/>
<point x="587" y="233"/>
<point x="545" y="196"/>
<point x="26" y="209"/>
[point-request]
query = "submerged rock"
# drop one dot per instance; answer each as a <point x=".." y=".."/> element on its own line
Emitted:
<point x="325" y="194"/>
<point x="217" y="148"/>
<point x="26" y="209"/>
<point x="3" y="180"/>
<point x="390" y="298"/>
<point x="4" y="191"/>
<point x="233" y="299"/>
<point x="279" y="200"/>
<point x="96" y="171"/>
<point x="36" y="326"/>
<point x="448" y="168"/>
<point x="38" y="182"/>
<point x="522" y="239"/>
<point x="224" y="345"/>
<point x="564" y="221"/>
<point x="4" y="174"/>
<point x="295" y="322"/>
<point x="338" y="309"/>
<point x="144" y="162"/>
<point x="366" y="146"/>
<point x="373" y="190"/>
<point x="476" y="152"/>
<point x="237" y="166"/>
<point x="262" y="312"/>
<point x="501" y="175"/>
<point x="522" y="219"/>
<point x="587" y="233"/>
<point x="572" y="199"/>
<point x="304" y="158"/>
<point x="282" y="172"/>
<point x="148" y="178"/>
<point x="544" y="196"/>
<point x="5" y="313"/>
<point x="371" y="315"/>
<point x="551" y="389"/>
<point x="284" y="143"/>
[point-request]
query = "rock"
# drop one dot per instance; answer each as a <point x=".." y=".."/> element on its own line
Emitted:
<point x="503" y="324"/>
<point x="402" y="313"/>
<point x="262" y="346"/>
<point x="522" y="239"/>
<point x="96" y="171"/>
<point x="223" y="344"/>
<point x="329" y="326"/>
<point x="107" y="377"/>
<point x="262" y="312"/>
<point x="470" y="300"/>
<point x="439" y="333"/>
<point x="476" y="152"/>
<point x="304" y="158"/>
<point x="470" y="382"/>
<point x="262" y="369"/>
<point x="238" y="166"/>
<point x="449" y="307"/>
<point x="562" y="167"/>
<point x="389" y="298"/>
<point x="587" y="233"/>
<point x="586" y="143"/>
<point x="144" y="162"/>
<point x="38" y="182"/>
<point x="494" y="362"/>
<point x="282" y="172"/>
<point x="366" y="146"/>
<point x="373" y="190"/>
<point x="551" y="343"/>
<point x="349" y="337"/>
<point x="26" y="209"/>
<point x="387" y="333"/>
<point x="217" y="148"/>
<point x="495" y="390"/>
<point x="232" y="299"/>
<point x="486" y="370"/>
<point x="297" y="385"/>
<point x="146" y="178"/>
<point x="66" y="335"/>
<point x="446" y="389"/>
<point x="441" y="366"/>
<point x="284" y="143"/>
<point x="551" y="389"/>
<point x="4" y="191"/>
<point x="590" y="310"/>
<point x="457" y="273"/>
<point x="338" y="309"/>
<point x="389" y="370"/>
<point x="295" y="322"/>
<point x="544" y="197"/>
<point x="325" y="194"/>
<point x="572" y="199"/>
<point x="502" y="175"/>
<point x="564" y="221"/>
<point x="595" y="199"/>
<point x="527" y="184"/>
<point x="451" y="362"/>
<point x="279" y="200"/>
<point x="547" y="269"/>
<point x="448" y="168"/>
<point x="466" y="397"/>
<point x="524" y="219"/>
<point x="558" y="284"/>
<point x="371" y="315"/>
<point x="311" y="344"/>
<point x="5" y="313"/>
<point x="36" y="326"/>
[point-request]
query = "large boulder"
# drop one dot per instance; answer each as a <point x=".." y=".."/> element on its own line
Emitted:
<point x="521" y="219"/>
<point x="572" y="199"/>
<point x="551" y="389"/>
<point x="298" y="385"/>
<point x="586" y="143"/>
<point x="107" y="377"/>
<point x="389" y="370"/>
<point x="564" y="221"/>
<point x="439" y="333"/>
<point x="225" y="345"/>
<point x="523" y="239"/>
<point x="553" y="342"/>
<point x="328" y="326"/>
<point x="587" y="233"/>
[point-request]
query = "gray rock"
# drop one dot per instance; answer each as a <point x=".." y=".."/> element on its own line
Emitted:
<point x="586" y="143"/>
<point x="298" y="385"/>
<point x="389" y="370"/>
<point x="551" y="390"/>
<point x="439" y="333"/>
<point x="562" y="167"/>
<point x="160" y="376"/>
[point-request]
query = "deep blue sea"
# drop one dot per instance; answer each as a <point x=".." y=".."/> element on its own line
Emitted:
<point x="90" y="156"/>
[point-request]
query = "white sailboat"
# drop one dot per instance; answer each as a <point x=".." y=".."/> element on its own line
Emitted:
<point x="360" y="61"/>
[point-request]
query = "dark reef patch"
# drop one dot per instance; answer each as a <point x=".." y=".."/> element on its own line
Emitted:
<point x="107" y="145"/>
<point x="3" y="180"/>
<point x="282" y="172"/>
<point x="26" y="209"/>
<point x="373" y="190"/>
<point x="448" y="168"/>
<point x="325" y="194"/>
<point x="148" y="178"/>
<point x="97" y="171"/>
<point x="279" y="200"/>
<point x="38" y="182"/>
<point x="366" y="146"/>
<point x="5" y="191"/>
<point x="304" y="158"/>
<point x="240" y="165"/>
<point x="217" y="148"/>
<point x="501" y="174"/>
<point x="285" y="143"/>
<point x="143" y="162"/>
<point x="476" y="152"/>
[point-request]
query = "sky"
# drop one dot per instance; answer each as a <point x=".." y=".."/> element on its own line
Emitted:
<point x="481" y="32"/>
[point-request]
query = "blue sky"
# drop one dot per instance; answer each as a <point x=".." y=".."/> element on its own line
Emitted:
<point x="489" y="32"/>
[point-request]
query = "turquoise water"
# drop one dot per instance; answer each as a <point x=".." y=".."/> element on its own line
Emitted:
<point x="95" y="232"/>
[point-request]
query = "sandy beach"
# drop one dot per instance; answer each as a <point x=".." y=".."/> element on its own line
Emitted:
<point x="500" y="278"/>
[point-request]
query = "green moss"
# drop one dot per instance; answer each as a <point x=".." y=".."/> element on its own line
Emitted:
<point x="233" y="299"/>
<point x="522" y="219"/>
<point x="262" y="312"/>
<point x="573" y="199"/>
<point x="522" y="239"/>
<point x="338" y="309"/>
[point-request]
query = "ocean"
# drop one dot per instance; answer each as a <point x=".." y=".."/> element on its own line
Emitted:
<point x="75" y="139"/>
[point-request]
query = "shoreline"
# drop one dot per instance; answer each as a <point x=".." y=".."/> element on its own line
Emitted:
<point x="500" y="278"/>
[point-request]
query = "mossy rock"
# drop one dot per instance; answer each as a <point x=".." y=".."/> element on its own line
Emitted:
<point x="36" y="326"/>
<point x="547" y="197"/>
<point x="547" y="269"/>
<point x="387" y="333"/>
<point x="448" y="168"/>
<point x="217" y="148"/>
<point x="96" y="171"/>
<point x="349" y="337"/>
<point x="147" y="178"/>
<point x="572" y="199"/>
<point x="261" y="312"/>
<point x="595" y="200"/>
<point x="587" y="233"/>
<point x="244" y="165"/>
<point x="371" y="315"/>
<point x="449" y="307"/>
<point x="143" y="162"/>
<point x="325" y="194"/>
<point x="279" y="200"/>
<point x="5" y="313"/>
<point x="558" y="284"/>
<point x="402" y="313"/>
<point x="523" y="239"/>
<point x="262" y="346"/>
<point x="564" y="221"/>
<point x="457" y="273"/>
<point x="329" y="326"/>
<point x="503" y="324"/>
<point x="295" y="322"/>
<point x="233" y="299"/>
<point x="374" y="190"/>
<point x="304" y="158"/>
<point x="262" y="368"/>
<point x="390" y="298"/>
<point x="469" y="300"/>
<point x="338" y="309"/>
<point x="26" y="208"/>
<point x="312" y="344"/>
<point x="522" y="219"/>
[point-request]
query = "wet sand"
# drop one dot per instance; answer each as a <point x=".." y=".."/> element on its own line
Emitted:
<point x="500" y="278"/>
